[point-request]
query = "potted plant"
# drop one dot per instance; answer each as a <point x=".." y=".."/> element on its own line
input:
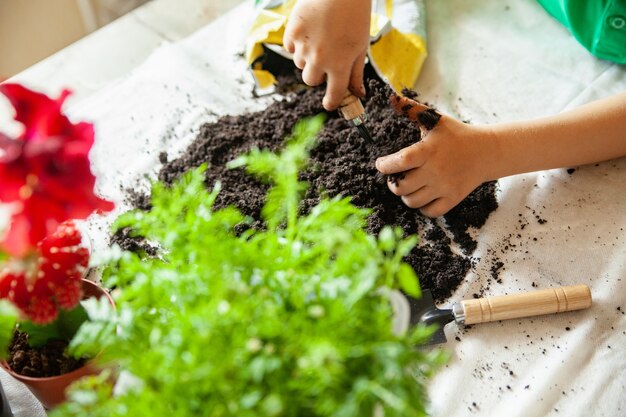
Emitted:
<point x="288" y="319"/>
<point x="46" y="182"/>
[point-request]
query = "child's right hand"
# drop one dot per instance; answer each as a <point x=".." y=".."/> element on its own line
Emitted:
<point x="454" y="158"/>
<point x="329" y="41"/>
<point x="439" y="171"/>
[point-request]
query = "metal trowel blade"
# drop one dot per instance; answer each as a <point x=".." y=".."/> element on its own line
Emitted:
<point x="365" y="133"/>
<point x="424" y="311"/>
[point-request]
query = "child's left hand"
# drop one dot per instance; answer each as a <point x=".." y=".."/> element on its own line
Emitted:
<point x="444" y="167"/>
<point x="329" y="41"/>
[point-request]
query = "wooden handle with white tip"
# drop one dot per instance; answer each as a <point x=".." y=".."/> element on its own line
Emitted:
<point x="534" y="303"/>
<point x="351" y="107"/>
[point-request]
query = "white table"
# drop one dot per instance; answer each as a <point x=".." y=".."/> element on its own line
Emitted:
<point x="488" y="62"/>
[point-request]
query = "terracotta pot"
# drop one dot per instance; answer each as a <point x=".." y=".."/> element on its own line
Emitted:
<point x="51" y="390"/>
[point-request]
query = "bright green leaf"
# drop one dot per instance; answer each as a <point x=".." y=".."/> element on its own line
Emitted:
<point x="8" y="319"/>
<point x="408" y="280"/>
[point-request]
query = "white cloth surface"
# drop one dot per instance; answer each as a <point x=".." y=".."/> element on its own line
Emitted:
<point x="23" y="403"/>
<point x="489" y="61"/>
<point x="496" y="61"/>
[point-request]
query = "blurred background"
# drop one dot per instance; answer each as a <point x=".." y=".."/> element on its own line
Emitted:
<point x="31" y="30"/>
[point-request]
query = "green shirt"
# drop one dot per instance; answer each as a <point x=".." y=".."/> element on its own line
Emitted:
<point x="599" y="25"/>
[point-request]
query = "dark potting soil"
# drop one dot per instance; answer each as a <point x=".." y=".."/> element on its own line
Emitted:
<point x="342" y="163"/>
<point x="128" y="241"/>
<point x="124" y="236"/>
<point x="45" y="361"/>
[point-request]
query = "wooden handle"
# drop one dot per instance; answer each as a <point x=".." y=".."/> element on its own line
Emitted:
<point x="535" y="303"/>
<point x="351" y="107"/>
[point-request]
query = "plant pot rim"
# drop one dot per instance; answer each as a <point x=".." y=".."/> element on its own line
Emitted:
<point x="21" y="377"/>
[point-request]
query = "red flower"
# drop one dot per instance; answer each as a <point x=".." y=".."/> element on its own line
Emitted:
<point x="62" y="264"/>
<point x="13" y="287"/>
<point x="50" y="281"/>
<point x="46" y="170"/>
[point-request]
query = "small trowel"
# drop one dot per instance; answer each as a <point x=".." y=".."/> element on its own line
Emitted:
<point x="504" y="307"/>
<point x="352" y="110"/>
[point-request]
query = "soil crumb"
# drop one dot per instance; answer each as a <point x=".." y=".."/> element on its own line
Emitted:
<point x="429" y="118"/>
<point x="130" y="241"/>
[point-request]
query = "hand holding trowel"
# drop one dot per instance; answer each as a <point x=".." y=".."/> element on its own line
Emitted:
<point x="504" y="307"/>
<point x="331" y="41"/>
<point x="353" y="111"/>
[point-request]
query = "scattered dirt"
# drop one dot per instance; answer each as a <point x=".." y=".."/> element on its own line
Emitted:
<point x="342" y="163"/>
<point x="138" y="199"/>
<point x="44" y="361"/>
<point x="125" y="237"/>
<point x="128" y="241"/>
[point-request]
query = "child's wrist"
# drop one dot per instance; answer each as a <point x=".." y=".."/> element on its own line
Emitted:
<point x="491" y="161"/>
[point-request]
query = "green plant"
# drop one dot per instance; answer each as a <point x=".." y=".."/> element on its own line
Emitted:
<point x="8" y="319"/>
<point x="288" y="321"/>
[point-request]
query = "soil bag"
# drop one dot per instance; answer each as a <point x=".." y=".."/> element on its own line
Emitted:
<point x="397" y="41"/>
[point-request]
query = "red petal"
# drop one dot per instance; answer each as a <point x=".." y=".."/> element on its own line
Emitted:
<point x="12" y="171"/>
<point x="44" y="217"/>
<point x="11" y="148"/>
<point x="67" y="183"/>
<point x="40" y="114"/>
<point x="58" y="273"/>
<point x="42" y="310"/>
<point x="16" y="241"/>
<point x="80" y="141"/>
<point x="40" y="287"/>
<point x="13" y="288"/>
<point x="65" y="235"/>
<point x="63" y="261"/>
<point x="69" y="295"/>
<point x="48" y="172"/>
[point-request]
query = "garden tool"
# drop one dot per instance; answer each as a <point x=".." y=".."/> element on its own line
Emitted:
<point x="504" y="307"/>
<point x="353" y="111"/>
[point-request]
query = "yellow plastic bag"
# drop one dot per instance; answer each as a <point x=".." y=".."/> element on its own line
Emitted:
<point x="397" y="40"/>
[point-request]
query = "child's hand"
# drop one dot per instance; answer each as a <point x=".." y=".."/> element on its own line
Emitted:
<point x="454" y="158"/>
<point x="329" y="40"/>
<point x="444" y="167"/>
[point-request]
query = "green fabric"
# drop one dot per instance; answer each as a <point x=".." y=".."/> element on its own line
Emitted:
<point x="599" y="25"/>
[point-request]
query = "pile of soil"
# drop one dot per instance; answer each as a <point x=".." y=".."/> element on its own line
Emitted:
<point x="342" y="163"/>
<point x="45" y="361"/>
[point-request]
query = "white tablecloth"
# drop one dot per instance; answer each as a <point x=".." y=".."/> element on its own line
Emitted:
<point x="489" y="61"/>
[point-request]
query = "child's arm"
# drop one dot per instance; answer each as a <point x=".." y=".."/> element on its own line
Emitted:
<point x="454" y="158"/>
<point x="329" y="40"/>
